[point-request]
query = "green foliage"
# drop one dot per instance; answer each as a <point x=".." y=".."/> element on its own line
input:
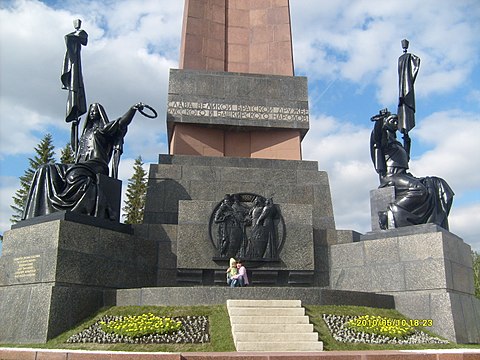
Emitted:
<point x="221" y="339"/>
<point x="136" y="193"/>
<point x="44" y="155"/>
<point x="67" y="155"/>
<point x="315" y="313"/>
<point x="141" y="325"/>
<point x="476" y="272"/>
<point x="379" y="325"/>
<point x="221" y="332"/>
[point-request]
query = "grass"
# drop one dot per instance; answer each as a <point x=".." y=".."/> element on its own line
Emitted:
<point x="329" y="343"/>
<point x="220" y="330"/>
<point x="221" y="339"/>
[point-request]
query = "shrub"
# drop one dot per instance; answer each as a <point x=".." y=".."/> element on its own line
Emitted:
<point x="141" y="325"/>
<point x="393" y="328"/>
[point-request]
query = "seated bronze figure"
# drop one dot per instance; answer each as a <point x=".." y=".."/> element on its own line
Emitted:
<point x="417" y="200"/>
<point x="74" y="187"/>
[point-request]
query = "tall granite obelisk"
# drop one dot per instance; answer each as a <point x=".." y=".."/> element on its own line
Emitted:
<point x="236" y="117"/>
<point x="248" y="37"/>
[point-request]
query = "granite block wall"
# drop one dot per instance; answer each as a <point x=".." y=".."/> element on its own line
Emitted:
<point x="56" y="273"/>
<point x="426" y="268"/>
<point x="184" y="190"/>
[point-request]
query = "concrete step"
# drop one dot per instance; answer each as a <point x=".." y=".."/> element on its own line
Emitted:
<point x="269" y="320"/>
<point x="264" y="311"/>
<point x="271" y="325"/>
<point x="276" y="337"/>
<point x="280" y="346"/>
<point x="264" y="303"/>
<point x="268" y="328"/>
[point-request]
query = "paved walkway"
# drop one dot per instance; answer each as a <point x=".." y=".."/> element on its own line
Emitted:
<point x="42" y="354"/>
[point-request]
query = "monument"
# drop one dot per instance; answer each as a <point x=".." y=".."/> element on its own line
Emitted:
<point x="410" y="253"/>
<point x="232" y="185"/>
<point x="61" y="261"/>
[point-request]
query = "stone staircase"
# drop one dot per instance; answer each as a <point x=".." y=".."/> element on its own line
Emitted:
<point x="271" y="325"/>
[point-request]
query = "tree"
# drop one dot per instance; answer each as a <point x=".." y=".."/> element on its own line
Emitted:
<point x="476" y="272"/>
<point x="67" y="156"/>
<point x="44" y="155"/>
<point x="136" y="192"/>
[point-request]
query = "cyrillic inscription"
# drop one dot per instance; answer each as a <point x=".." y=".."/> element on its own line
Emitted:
<point x="26" y="266"/>
<point x="237" y="111"/>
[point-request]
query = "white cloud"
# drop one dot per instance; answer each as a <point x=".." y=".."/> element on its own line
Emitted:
<point x="352" y="44"/>
<point x="342" y="149"/>
<point x="465" y="220"/>
<point x="453" y="137"/>
<point x="32" y="74"/>
<point x="359" y="41"/>
<point x="8" y="186"/>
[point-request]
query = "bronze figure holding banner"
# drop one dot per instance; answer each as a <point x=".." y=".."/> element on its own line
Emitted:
<point x="76" y="187"/>
<point x="408" y="66"/>
<point x="72" y="79"/>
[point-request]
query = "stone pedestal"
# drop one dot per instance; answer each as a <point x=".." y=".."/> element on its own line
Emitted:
<point x="183" y="191"/>
<point x="56" y="273"/>
<point x="426" y="268"/>
<point x="236" y="115"/>
<point x="379" y="201"/>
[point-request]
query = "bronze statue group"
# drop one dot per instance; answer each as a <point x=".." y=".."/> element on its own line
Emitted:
<point x="75" y="187"/>
<point x="417" y="200"/>
<point x="247" y="231"/>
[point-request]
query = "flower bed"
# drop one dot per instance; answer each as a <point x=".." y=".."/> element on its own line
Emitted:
<point x="145" y="329"/>
<point x="376" y="330"/>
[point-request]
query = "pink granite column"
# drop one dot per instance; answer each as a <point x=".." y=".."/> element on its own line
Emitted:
<point x="249" y="36"/>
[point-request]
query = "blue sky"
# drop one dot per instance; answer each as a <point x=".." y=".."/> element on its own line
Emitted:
<point x="347" y="49"/>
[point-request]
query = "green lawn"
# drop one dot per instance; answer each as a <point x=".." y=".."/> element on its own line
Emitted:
<point x="220" y="330"/>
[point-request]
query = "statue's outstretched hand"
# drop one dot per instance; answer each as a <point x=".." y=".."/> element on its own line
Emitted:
<point x="138" y="106"/>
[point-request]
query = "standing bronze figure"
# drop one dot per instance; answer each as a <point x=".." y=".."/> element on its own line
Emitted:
<point x="248" y="226"/>
<point x="72" y="79"/>
<point x="408" y="65"/>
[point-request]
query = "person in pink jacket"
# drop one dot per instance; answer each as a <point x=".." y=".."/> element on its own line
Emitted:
<point x="241" y="279"/>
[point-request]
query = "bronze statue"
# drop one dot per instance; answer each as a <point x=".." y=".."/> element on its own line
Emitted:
<point x="74" y="187"/>
<point x="408" y="65"/>
<point x="265" y="242"/>
<point x="230" y="231"/>
<point x="417" y="200"/>
<point x="72" y="79"/>
<point x="257" y="228"/>
<point x="248" y="226"/>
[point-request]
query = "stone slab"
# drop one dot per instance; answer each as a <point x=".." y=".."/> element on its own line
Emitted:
<point x="187" y="194"/>
<point x="78" y="218"/>
<point x="437" y="254"/>
<point x="237" y="99"/>
<point x="217" y="295"/>
<point x="73" y="253"/>
<point x="35" y="313"/>
<point x="425" y="267"/>
<point x="193" y="240"/>
<point x="403" y="231"/>
<point x="237" y="162"/>
<point x="379" y="200"/>
<point x="430" y="354"/>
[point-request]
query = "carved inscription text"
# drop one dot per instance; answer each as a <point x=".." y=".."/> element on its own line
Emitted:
<point x="237" y="111"/>
<point x="26" y="266"/>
